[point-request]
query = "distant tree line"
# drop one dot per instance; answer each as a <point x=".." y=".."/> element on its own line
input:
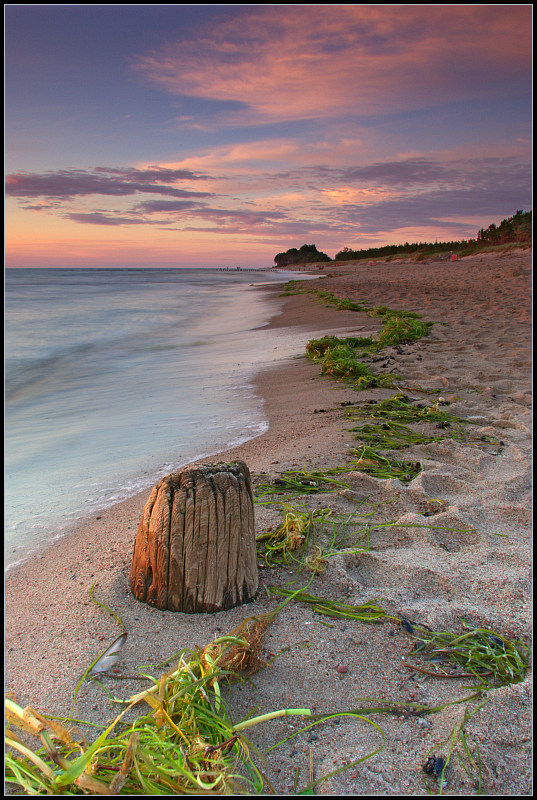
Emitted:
<point x="517" y="228"/>
<point x="395" y="249"/>
<point x="308" y="253"/>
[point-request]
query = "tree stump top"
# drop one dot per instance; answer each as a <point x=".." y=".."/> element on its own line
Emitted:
<point x="195" y="546"/>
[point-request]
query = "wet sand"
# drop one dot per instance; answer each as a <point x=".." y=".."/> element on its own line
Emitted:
<point x="474" y="563"/>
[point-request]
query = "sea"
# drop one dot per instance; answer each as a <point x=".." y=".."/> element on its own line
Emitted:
<point x="116" y="377"/>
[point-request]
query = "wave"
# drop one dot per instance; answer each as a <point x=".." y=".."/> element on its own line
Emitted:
<point x="26" y="375"/>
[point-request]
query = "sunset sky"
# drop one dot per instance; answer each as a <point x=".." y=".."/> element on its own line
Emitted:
<point x="220" y="135"/>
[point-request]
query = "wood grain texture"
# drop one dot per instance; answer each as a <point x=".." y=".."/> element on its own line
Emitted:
<point x="195" y="545"/>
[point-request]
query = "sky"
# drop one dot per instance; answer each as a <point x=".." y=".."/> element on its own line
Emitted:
<point x="220" y="135"/>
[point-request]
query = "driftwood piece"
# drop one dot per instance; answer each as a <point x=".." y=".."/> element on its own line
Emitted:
<point x="195" y="546"/>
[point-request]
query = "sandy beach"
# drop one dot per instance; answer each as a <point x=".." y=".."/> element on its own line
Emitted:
<point x="472" y="563"/>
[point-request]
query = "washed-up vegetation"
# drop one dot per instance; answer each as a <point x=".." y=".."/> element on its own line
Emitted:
<point x="340" y="359"/>
<point x="186" y="744"/>
<point x="476" y="652"/>
<point x="402" y="327"/>
<point x="389" y="428"/>
<point x="365" y="612"/>
<point x="391" y="435"/>
<point x="341" y="362"/>
<point x="399" y="327"/>
<point x="343" y="358"/>
<point x="278" y="545"/>
<point x="301" y="481"/>
<point x="308" y="539"/>
<point x="480" y="653"/>
<point x="401" y="408"/>
<point x="382" y="466"/>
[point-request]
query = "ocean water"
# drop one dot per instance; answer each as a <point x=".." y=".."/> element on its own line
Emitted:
<point x="115" y="377"/>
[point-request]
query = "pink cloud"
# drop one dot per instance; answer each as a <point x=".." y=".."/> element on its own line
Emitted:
<point x="303" y="62"/>
<point x="69" y="183"/>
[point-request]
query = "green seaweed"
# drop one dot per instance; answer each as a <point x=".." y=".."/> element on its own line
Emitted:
<point x="187" y="743"/>
<point x="310" y="538"/>
<point x="391" y="436"/>
<point x="385" y="467"/>
<point x="401" y="328"/>
<point x="341" y="362"/>
<point x="338" y="357"/>
<point x="394" y="415"/>
<point x="279" y="545"/>
<point x="292" y="482"/>
<point x="493" y="659"/>
<point x="482" y="653"/>
<point x="366" y="612"/>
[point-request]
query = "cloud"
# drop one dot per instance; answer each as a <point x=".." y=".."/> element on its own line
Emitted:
<point x="271" y="232"/>
<point x="99" y="218"/>
<point x="433" y="210"/>
<point x="401" y="172"/>
<point x="166" y="206"/>
<point x="436" y="194"/>
<point x="244" y="221"/>
<point x="415" y="172"/>
<point x="441" y="199"/>
<point x="224" y="220"/>
<point x="245" y="216"/>
<point x="151" y="173"/>
<point x="39" y="206"/>
<point x="67" y="184"/>
<point x="172" y="211"/>
<point x="306" y="62"/>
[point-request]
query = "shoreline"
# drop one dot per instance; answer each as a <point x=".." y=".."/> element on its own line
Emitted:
<point x="261" y="383"/>
<point x="71" y="522"/>
<point x="482" y="361"/>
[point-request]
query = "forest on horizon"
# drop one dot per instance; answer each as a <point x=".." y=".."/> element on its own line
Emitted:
<point x="512" y="230"/>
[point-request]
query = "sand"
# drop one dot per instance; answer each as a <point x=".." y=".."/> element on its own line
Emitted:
<point x="479" y="355"/>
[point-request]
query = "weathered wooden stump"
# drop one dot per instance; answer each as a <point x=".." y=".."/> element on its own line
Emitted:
<point x="195" y="545"/>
